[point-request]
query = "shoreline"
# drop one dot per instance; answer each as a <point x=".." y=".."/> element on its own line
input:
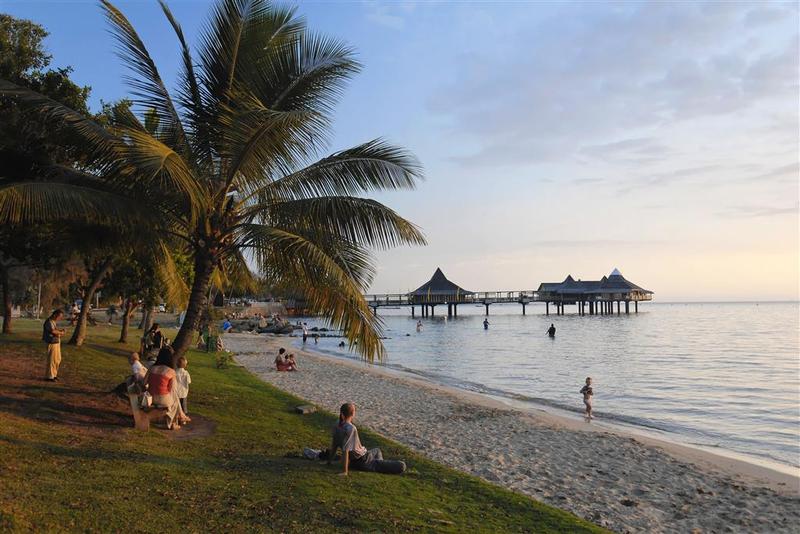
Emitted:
<point x="766" y="472"/>
<point x="609" y="476"/>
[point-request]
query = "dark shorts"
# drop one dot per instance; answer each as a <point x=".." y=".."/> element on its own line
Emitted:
<point x="373" y="461"/>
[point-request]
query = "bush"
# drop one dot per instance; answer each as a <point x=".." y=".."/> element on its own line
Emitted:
<point x="223" y="359"/>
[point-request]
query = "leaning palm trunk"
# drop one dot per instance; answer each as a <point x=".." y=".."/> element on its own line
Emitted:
<point x="127" y="312"/>
<point x="235" y="167"/>
<point x="203" y="269"/>
<point x="79" y="334"/>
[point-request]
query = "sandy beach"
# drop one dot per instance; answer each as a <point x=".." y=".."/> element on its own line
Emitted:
<point x="623" y="482"/>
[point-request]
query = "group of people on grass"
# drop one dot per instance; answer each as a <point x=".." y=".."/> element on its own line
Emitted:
<point x="167" y="383"/>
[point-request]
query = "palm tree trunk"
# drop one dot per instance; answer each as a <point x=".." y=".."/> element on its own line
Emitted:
<point x="6" y="300"/>
<point x="79" y="334"/>
<point x="127" y="312"/>
<point x="203" y="268"/>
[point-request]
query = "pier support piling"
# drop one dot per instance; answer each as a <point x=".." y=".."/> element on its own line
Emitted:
<point x="627" y="309"/>
<point x="487" y="309"/>
<point x="523" y="308"/>
<point x="636" y="306"/>
<point x="547" y="308"/>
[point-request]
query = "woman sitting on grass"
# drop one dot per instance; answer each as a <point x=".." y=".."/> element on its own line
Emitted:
<point x="354" y="454"/>
<point x="160" y="380"/>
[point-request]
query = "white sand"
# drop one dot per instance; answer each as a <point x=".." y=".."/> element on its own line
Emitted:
<point x="624" y="483"/>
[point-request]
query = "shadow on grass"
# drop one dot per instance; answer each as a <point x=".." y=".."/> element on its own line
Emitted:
<point x="62" y="412"/>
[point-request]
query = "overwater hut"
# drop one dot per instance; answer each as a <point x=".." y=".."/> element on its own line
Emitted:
<point x="438" y="290"/>
<point x="593" y="296"/>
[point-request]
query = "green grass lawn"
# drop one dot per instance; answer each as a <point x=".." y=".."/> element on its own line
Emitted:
<point x="68" y="461"/>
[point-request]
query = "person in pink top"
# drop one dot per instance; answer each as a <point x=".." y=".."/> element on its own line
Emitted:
<point x="160" y="381"/>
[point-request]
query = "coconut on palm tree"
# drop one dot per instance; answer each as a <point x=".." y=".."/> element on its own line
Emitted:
<point x="233" y="167"/>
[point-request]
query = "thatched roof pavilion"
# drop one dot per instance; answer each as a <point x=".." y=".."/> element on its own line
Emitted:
<point x="438" y="290"/>
<point x="603" y="292"/>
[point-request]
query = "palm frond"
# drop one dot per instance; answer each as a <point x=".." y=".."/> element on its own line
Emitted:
<point x="146" y="84"/>
<point x="293" y="260"/>
<point x="190" y="95"/>
<point x="175" y="287"/>
<point x="372" y="166"/>
<point x="100" y="144"/>
<point x="34" y="202"/>
<point x="365" y="222"/>
<point x="153" y="163"/>
<point x="262" y="142"/>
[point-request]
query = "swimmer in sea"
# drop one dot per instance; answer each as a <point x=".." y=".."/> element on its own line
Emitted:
<point x="552" y="330"/>
<point x="486" y="324"/>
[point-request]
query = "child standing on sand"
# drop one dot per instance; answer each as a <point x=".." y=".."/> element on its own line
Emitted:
<point x="182" y="381"/>
<point x="587" y="393"/>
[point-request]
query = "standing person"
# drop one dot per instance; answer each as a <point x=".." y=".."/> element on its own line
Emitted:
<point x="552" y="330"/>
<point x="588" y="393"/>
<point x="182" y="381"/>
<point x="486" y="324"/>
<point x="305" y="332"/>
<point x="111" y="312"/>
<point x="51" y="334"/>
<point x="354" y="454"/>
<point x="152" y="341"/>
<point x="419" y="326"/>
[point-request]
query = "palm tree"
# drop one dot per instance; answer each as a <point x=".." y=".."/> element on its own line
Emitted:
<point x="233" y="165"/>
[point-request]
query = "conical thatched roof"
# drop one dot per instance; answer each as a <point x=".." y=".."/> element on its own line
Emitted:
<point x="616" y="283"/>
<point x="439" y="285"/>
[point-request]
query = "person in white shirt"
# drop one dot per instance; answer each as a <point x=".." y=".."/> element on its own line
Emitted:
<point x="182" y="381"/>
<point x="137" y="369"/>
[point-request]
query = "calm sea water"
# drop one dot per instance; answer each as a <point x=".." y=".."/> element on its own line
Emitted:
<point x="720" y="375"/>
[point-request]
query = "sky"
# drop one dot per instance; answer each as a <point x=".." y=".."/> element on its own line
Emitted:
<point x="556" y="138"/>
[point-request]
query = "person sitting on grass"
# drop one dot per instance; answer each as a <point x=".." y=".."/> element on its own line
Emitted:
<point x="160" y="380"/>
<point x="354" y="454"/>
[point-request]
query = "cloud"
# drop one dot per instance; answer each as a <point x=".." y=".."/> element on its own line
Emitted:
<point x="790" y="171"/>
<point x="390" y="15"/>
<point x="613" y="83"/>
<point x="758" y="211"/>
<point x="637" y="149"/>
<point x="596" y="243"/>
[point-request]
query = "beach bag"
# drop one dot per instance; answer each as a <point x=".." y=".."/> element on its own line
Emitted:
<point x="147" y="400"/>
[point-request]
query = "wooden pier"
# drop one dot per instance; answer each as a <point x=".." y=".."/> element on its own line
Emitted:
<point x="590" y="297"/>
